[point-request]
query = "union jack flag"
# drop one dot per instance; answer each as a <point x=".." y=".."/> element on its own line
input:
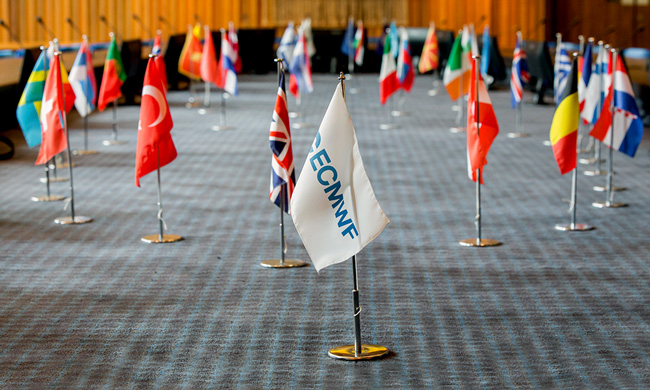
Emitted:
<point x="519" y="75"/>
<point x="283" y="177"/>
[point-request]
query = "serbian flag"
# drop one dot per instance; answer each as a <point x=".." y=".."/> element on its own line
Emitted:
<point x="564" y="129"/>
<point x="82" y="80"/>
<point x="456" y="70"/>
<point x="388" y="81"/>
<point x="300" y="67"/>
<point x="234" y="41"/>
<point x="283" y="176"/>
<point x="405" y="72"/>
<point x="430" y="57"/>
<point x="227" y="65"/>
<point x="160" y="60"/>
<point x="155" y="145"/>
<point x="53" y="120"/>
<point x="113" y="78"/>
<point x="359" y="42"/>
<point x="585" y="74"/>
<point x="519" y="75"/>
<point x="627" y="126"/>
<point x="189" y="63"/>
<point x="209" y="67"/>
<point x="481" y="129"/>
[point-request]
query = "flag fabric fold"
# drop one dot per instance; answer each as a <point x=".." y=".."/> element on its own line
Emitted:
<point x="562" y="68"/>
<point x="227" y="65"/>
<point x="388" y="81"/>
<point x="287" y="44"/>
<point x="82" y="81"/>
<point x="283" y="177"/>
<point x="52" y="115"/>
<point x="394" y="39"/>
<point x="405" y="73"/>
<point x="585" y="75"/>
<point x="29" y="106"/>
<point x="300" y="67"/>
<point x="68" y="92"/>
<point x="113" y="77"/>
<point x="486" y="51"/>
<point x="359" y="42"/>
<point x="160" y="59"/>
<point x="309" y="36"/>
<point x="564" y="128"/>
<point x="209" y="66"/>
<point x="519" y="74"/>
<point x="155" y="145"/>
<point x="189" y="62"/>
<point x="481" y="129"/>
<point x="627" y="124"/>
<point x="456" y="70"/>
<point x="347" y="46"/>
<point x="334" y="207"/>
<point x="595" y="94"/>
<point x="430" y="57"/>
<point x="234" y="41"/>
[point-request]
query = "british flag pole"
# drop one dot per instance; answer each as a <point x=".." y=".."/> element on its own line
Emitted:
<point x="283" y="197"/>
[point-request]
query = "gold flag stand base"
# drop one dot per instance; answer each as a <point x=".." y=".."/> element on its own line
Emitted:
<point x="54" y="179"/>
<point x="518" y="135"/>
<point x="575" y="227"/>
<point x="221" y="128"/>
<point x="604" y="189"/>
<point x="84" y="152"/>
<point x="608" y="205"/>
<point x="287" y="263"/>
<point x="112" y="142"/>
<point x="595" y="173"/>
<point x="368" y="352"/>
<point x="457" y="129"/>
<point x="62" y="166"/>
<point x="78" y="220"/>
<point x="166" y="238"/>
<point x="485" y="242"/>
<point x="48" y="198"/>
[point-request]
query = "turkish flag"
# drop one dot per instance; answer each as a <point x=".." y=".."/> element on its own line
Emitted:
<point x="155" y="145"/>
<point x="53" y="121"/>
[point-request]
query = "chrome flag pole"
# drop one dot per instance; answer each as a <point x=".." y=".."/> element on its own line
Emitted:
<point x="609" y="201"/>
<point x="282" y="262"/>
<point x="478" y="241"/>
<point x="597" y="159"/>
<point x="357" y="351"/>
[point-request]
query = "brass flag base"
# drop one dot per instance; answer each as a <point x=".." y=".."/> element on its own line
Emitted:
<point x="155" y="238"/>
<point x="287" y="263"/>
<point x="595" y="173"/>
<point x="221" y="128"/>
<point x="368" y="352"/>
<point x="84" y="152"/>
<point x="48" y="198"/>
<point x="112" y="142"/>
<point x="575" y="227"/>
<point x="457" y="129"/>
<point x="54" y="179"/>
<point x="78" y="220"/>
<point x="604" y="189"/>
<point x="608" y="205"/>
<point x="62" y="166"/>
<point x="518" y="135"/>
<point x="484" y="242"/>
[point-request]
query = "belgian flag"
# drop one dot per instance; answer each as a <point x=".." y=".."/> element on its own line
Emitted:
<point x="564" y="129"/>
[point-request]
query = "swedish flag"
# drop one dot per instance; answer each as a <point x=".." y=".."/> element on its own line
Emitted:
<point x="29" y="106"/>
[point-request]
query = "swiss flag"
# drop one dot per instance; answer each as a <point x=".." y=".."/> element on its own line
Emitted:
<point x="53" y="121"/>
<point x="481" y="131"/>
<point x="155" y="145"/>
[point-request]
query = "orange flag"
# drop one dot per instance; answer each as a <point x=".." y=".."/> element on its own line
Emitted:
<point x="189" y="62"/>
<point x="209" y="67"/>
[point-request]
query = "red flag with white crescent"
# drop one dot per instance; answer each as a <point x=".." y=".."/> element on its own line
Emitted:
<point x="155" y="145"/>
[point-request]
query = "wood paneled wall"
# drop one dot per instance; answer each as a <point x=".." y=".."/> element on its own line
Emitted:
<point x="503" y="16"/>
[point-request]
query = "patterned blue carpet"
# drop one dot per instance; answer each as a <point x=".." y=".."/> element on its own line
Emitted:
<point x="91" y="306"/>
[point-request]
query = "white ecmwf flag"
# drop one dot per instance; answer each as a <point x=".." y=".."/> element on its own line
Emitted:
<point x="333" y="205"/>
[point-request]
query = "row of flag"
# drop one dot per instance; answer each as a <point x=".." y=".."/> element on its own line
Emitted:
<point x="296" y="51"/>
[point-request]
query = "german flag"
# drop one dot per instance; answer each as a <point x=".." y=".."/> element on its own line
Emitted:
<point x="564" y="129"/>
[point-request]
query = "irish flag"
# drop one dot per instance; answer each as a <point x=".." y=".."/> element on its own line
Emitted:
<point x="564" y="129"/>
<point x="113" y="78"/>
<point x="456" y="71"/>
<point x="388" y="81"/>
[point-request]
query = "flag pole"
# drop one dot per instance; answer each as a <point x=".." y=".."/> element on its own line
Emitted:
<point x="85" y="150"/>
<point x="48" y="197"/>
<point x="609" y="201"/>
<point x="479" y="241"/>
<point x="391" y="123"/>
<point x="574" y="226"/>
<point x="357" y="351"/>
<point x="222" y="115"/>
<point x="72" y="219"/>
<point x="597" y="144"/>
<point x="282" y="262"/>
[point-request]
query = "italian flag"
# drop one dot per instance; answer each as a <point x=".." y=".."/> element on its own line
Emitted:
<point x="457" y="71"/>
<point x="113" y="78"/>
<point x="388" y="81"/>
